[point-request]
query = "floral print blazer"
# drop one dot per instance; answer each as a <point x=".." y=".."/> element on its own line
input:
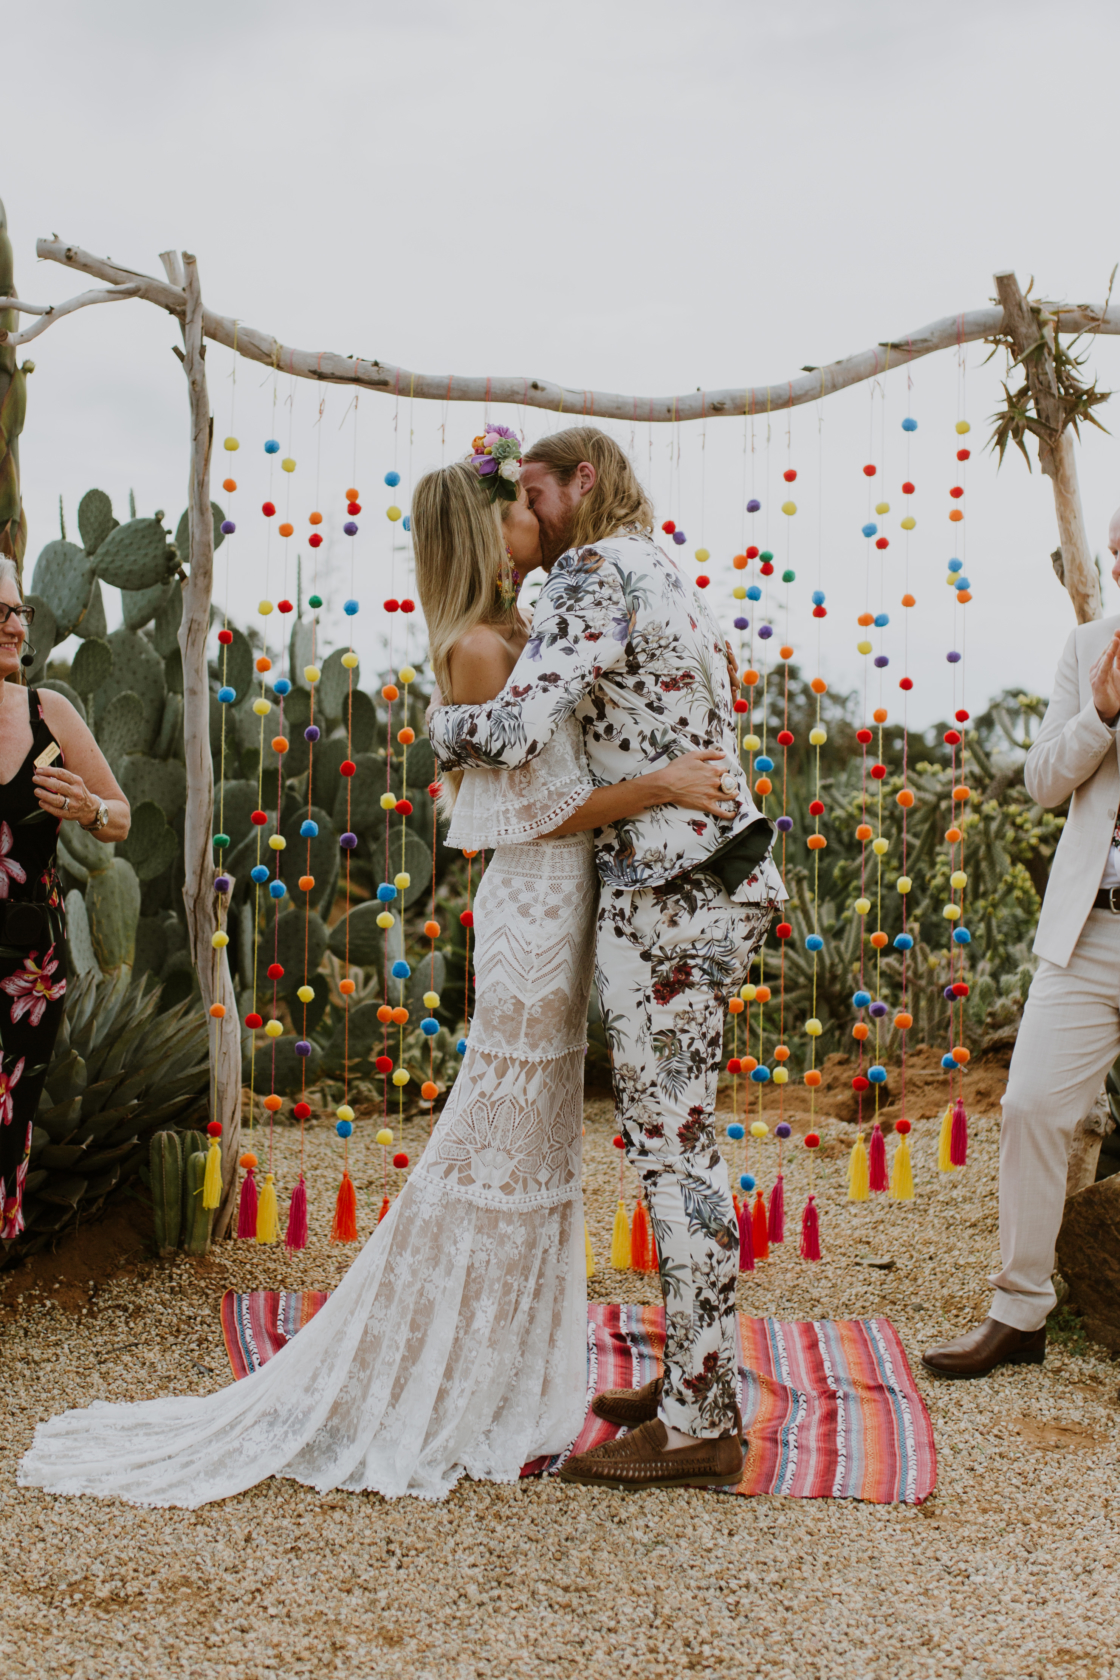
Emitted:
<point x="623" y="642"/>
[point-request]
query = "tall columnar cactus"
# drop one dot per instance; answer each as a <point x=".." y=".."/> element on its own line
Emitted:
<point x="166" y="1166"/>
<point x="196" y="1230"/>
<point x="13" y="406"/>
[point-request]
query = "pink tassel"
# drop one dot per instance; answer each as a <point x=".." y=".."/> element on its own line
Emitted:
<point x="877" y="1161"/>
<point x="746" y="1240"/>
<point x="247" y="1207"/>
<point x="810" y="1231"/>
<point x="778" y="1211"/>
<point x="296" y="1234"/>
<point x="958" y="1140"/>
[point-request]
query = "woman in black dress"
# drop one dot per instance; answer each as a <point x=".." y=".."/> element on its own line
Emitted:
<point x="51" y="771"/>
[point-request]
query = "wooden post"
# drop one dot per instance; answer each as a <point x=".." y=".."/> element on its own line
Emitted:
<point x="199" y="896"/>
<point x="1034" y="345"/>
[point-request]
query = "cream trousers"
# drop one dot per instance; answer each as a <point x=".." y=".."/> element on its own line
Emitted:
<point x="1068" y="1039"/>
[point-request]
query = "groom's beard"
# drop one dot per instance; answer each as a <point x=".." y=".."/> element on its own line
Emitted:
<point x="556" y="538"/>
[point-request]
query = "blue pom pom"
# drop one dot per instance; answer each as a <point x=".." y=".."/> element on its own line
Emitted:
<point x="877" y="1074"/>
<point x="870" y="528"/>
<point x="956" y="565"/>
<point x="302" y="1047"/>
<point x="903" y="942"/>
<point x="909" y="424"/>
<point x="430" y="1027"/>
<point x="227" y="696"/>
<point x="961" y="936"/>
<point x="392" y="479"/>
<point x="386" y="892"/>
<point x="407" y="522"/>
<point x="763" y="763"/>
<point x="861" y="1000"/>
<point x="348" y="841"/>
<point x="818" y="597"/>
<point x="272" y="447"/>
<point x="746" y="1181"/>
<point x="344" y="1128"/>
<point x="963" y="582"/>
<point x="753" y="505"/>
<point x="276" y="889"/>
<point x="282" y="686"/>
<point x="881" y="619"/>
<point x="814" y="942"/>
<point x="760" y="1074"/>
<point x="400" y="969"/>
<point x="227" y="527"/>
<point x="754" y="593"/>
<point x="461" y="1047"/>
<point x="259" y="874"/>
<point x="311" y="733"/>
<point x="742" y="624"/>
<point x="308" y="829"/>
<point x="350" y="608"/>
<point x="948" y="1062"/>
<point x="735" y="1131"/>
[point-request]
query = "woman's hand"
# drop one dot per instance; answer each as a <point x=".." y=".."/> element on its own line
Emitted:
<point x="693" y="781"/>
<point x="1104" y="680"/>
<point x="434" y="703"/>
<point x="63" y="794"/>
<point x="732" y="670"/>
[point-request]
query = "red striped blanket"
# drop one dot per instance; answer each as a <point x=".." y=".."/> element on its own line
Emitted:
<point x="829" y="1407"/>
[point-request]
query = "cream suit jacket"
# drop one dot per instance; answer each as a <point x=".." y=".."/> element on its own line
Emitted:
<point x="1075" y="758"/>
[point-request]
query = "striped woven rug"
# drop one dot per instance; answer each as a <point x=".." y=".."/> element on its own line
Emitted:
<point x="829" y="1407"/>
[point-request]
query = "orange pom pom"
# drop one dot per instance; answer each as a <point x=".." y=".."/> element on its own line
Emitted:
<point x="961" y="793"/>
<point x="861" y="1030"/>
<point x="880" y="714"/>
<point x="816" y="842"/>
<point x="248" y="1160"/>
<point x="750" y="678"/>
<point x="429" y="1091"/>
<point x="865" y="619"/>
<point x="273" y="1103"/>
<point x="406" y="737"/>
<point x="781" y="1053"/>
<point x="739" y="562"/>
<point x="953" y="835"/>
<point x="279" y="744"/>
<point x="961" y="1055"/>
<point x="878" y="940"/>
<point x="956" y="515"/>
<point x="819" y="686"/>
<point x="749" y="1063"/>
<point x="909" y="601"/>
<point x="431" y="930"/>
<point x="346" y="987"/>
<point x="400" y="1016"/>
<point x="390" y="692"/>
<point x="306" y="883"/>
<point x="763" y="994"/>
<point x="736" y="1006"/>
<point x="813" y="1078"/>
<point x="785" y="652"/>
<point x="763" y="786"/>
<point x="229" y="484"/>
<point x="863" y="832"/>
<point x="904" y="1020"/>
<point x="264" y="663"/>
<point x="314" y="519"/>
<point x="905" y="798"/>
<point x="384" y="1014"/>
<point x="217" y="1011"/>
<point x="285" y="530"/>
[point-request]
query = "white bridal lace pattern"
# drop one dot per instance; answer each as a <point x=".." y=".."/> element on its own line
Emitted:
<point x="455" y="1344"/>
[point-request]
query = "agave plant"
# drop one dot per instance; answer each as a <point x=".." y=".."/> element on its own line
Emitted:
<point x="120" y="1071"/>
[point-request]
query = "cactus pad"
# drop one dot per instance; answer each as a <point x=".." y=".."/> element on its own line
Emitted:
<point x="141" y="605"/>
<point x="44" y="634"/>
<point x="120" y="729"/>
<point x="163" y="781"/>
<point x="63" y="576"/>
<point x="334" y="685"/>
<point x="136" y="666"/>
<point x="92" y="665"/>
<point x="69" y="693"/>
<point x="135" y="555"/>
<point x="151" y="846"/>
<point x="165" y="629"/>
<point x="363" y="720"/>
<point x="95" y="519"/>
<point x="113" y="907"/>
<point x="92" y="621"/>
<point x="183" y="533"/>
<point x="78" y="941"/>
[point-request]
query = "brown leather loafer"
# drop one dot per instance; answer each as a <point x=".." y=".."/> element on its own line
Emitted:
<point x="643" y="1459"/>
<point x="981" y="1350"/>
<point x="628" y="1406"/>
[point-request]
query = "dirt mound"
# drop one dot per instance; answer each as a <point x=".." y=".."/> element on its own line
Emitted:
<point x="114" y="1244"/>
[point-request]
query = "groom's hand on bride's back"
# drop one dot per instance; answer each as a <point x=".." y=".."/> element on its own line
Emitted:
<point x="693" y="781"/>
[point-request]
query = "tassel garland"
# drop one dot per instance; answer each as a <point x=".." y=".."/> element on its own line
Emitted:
<point x="760" y="1229"/>
<point x="877" y="1161"/>
<point x="858" y="1185"/>
<point x="746" y="1240"/>
<point x="902" y="1175"/>
<point x="777" y="1219"/>
<point x="945" y="1143"/>
<point x="268" y="1214"/>
<point x="345" y="1226"/>
<point x="620" y="1240"/>
<point x="296" y="1234"/>
<point x="810" y="1231"/>
<point x="212" y="1182"/>
<point x="247" y="1206"/>
<point x="958" y="1135"/>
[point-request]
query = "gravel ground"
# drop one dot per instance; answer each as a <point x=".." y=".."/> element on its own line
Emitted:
<point x="1008" y="1570"/>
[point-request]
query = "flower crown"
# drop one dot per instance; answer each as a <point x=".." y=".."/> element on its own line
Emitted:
<point x="496" y="458"/>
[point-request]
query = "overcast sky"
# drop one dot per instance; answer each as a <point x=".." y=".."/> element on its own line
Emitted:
<point x="633" y="197"/>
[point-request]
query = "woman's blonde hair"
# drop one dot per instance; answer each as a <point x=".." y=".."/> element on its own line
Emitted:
<point x="460" y="560"/>
<point x="617" y="499"/>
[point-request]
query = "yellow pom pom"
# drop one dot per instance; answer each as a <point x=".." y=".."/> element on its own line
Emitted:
<point x="752" y="743"/>
<point x="401" y="1077"/>
<point x="277" y="842"/>
<point x="814" y="1028"/>
<point x="951" y="580"/>
<point x="385" y="1137"/>
<point x="393" y="513"/>
<point x="431" y="1000"/>
<point x="882" y="507"/>
<point x="402" y="881"/>
<point x="344" y="1112"/>
<point x="759" y="1128"/>
<point x="287" y="464"/>
<point x="219" y="941"/>
<point x="311" y="674"/>
<point x="739" y="592"/>
<point x="350" y="661"/>
<point x="957" y="879"/>
<point x="306" y="994"/>
<point x="880" y="846"/>
<point x="789" y="507"/>
<point x="963" y="427"/>
<point x="780" y="1075"/>
<point x="264" y="608"/>
<point x="406" y="674"/>
<point x="748" y="993"/>
<point x="386" y="919"/>
<point x="952" y="912"/>
<point x="863" y="905"/>
<point x="904" y="883"/>
<point x="273" y="1029"/>
<point x="231" y="444"/>
<point x="262" y="707"/>
<point x="702" y="555"/>
<point x="909" y="522"/>
<point x="863" y="647"/>
<point x="818" y="736"/>
<point x="387" y="801"/>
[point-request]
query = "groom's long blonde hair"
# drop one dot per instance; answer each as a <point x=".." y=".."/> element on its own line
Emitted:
<point x="616" y="500"/>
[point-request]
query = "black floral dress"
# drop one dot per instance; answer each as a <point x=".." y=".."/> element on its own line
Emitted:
<point x="32" y="965"/>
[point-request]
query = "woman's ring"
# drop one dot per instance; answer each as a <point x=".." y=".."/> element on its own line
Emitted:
<point x="66" y="803"/>
<point x="727" y="783"/>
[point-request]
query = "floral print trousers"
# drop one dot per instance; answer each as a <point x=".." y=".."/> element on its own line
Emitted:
<point x="667" y="960"/>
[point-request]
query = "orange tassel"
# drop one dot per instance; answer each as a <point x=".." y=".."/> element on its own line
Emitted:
<point x="384" y="1210"/>
<point x="345" y="1227"/>
<point x="760" y="1227"/>
<point x="639" y="1239"/>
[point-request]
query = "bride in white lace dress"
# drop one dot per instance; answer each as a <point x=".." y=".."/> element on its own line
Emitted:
<point x="456" y="1343"/>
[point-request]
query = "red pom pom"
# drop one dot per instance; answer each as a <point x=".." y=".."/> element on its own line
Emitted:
<point x="906" y="684"/>
<point x="742" y="706"/>
<point x="878" y="771"/>
<point x="902" y="1127"/>
<point x="962" y="716"/>
<point x="467" y="918"/>
<point x="960" y="989"/>
<point x="869" y="471"/>
<point x="403" y="807"/>
<point x="735" y="1065"/>
<point x="275" y="971"/>
<point x="908" y="488"/>
<point x="785" y="738"/>
<point x="253" y="1020"/>
<point x="259" y="818"/>
<point x="702" y="582"/>
<point x="435" y="788"/>
<point x="225" y="637"/>
<point x="812" y="1140"/>
<point x="314" y="540"/>
<point x="268" y="509"/>
<point x="752" y="552"/>
<point x="952" y="738"/>
<point x="392" y="606"/>
<point x="863" y="736"/>
<point x="407" y="605"/>
<point x="302" y="1111"/>
<point x="957" y="491"/>
<point x="619" y="1143"/>
<point x="783" y="930"/>
<point x="347" y="767"/>
<point x="963" y="454"/>
<point x="384" y="1064"/>
<point x="353" y="507"/>
<point x="766" y="568"/>
<point x="214" y="1128"/>
<point x="790" y="474"/>
<point x="859" y="1083"/>
<point x="820" y="612"/>
<point x="882" y="542"/>
<point x="400" y="1159"/>
<point x="284" y="606"/>
<point x="816" y="808"/>
<point x="668" y="526"/>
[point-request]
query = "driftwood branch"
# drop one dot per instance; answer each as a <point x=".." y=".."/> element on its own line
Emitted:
<point x="199" y="896"/>
<point x="50" y="313"/>
<point x="375" y="375"/>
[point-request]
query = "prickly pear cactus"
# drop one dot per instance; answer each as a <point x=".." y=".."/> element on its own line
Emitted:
<point x="95" y="519"/>
<point x="140" y="606"/>
<point x="196" y="1229"/>
<point x="63" y="576"/>
<point x="93" y="621"/>
<point x="166" y="1167"/>
<point x="163" y="781"/>
<point x="113" y="908"/>
<point x="92" y="664"/>
<point x="334" y="684"/>
<point x="121" y="728"/>
<point x="13" y="407"/>
<point x="183" y="533"/>
<point x="136" y="555"/>
<point x="43" y="636"/>
<point x="151" y="846"/>
<point x="136" y="666"/>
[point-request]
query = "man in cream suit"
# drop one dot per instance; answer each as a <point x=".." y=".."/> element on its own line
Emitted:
<point x="1070" y="1033"/>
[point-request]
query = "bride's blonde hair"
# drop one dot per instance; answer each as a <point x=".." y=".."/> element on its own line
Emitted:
<point x="460" y="568"/>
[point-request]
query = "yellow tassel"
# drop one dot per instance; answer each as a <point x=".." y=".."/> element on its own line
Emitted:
<point x="944" y="1142"/>
<point x="902" y="1177"/>
<point x="859" y="1178"/>
<point x="268" y="1214"/>
<point x="588" y="1256"/>
<point x="620" y="1241"/>
<point x="212" y="1182"/>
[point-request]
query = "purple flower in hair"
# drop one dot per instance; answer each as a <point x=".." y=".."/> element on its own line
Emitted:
<point x="484" y="464"/>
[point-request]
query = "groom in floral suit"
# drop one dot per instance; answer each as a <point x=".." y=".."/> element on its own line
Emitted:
<point x="621" y="640"/>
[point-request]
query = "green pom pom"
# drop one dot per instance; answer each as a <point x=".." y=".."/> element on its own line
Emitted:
<point x="314" y="600"/>
<point x="221" y="841"/>
<point x="766" y="555"/>
<point x="788" y="576"/>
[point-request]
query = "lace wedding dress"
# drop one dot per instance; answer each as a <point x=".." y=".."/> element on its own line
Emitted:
<point x="456" y="1343"/>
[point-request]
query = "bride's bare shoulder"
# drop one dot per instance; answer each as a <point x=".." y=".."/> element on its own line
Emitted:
<point x="480" y="662"/>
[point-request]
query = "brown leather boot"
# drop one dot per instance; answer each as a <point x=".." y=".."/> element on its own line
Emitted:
<point x="628" y="1406"/>
<point x="981" y="1350"/>
<point x="643" y="1459"/>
